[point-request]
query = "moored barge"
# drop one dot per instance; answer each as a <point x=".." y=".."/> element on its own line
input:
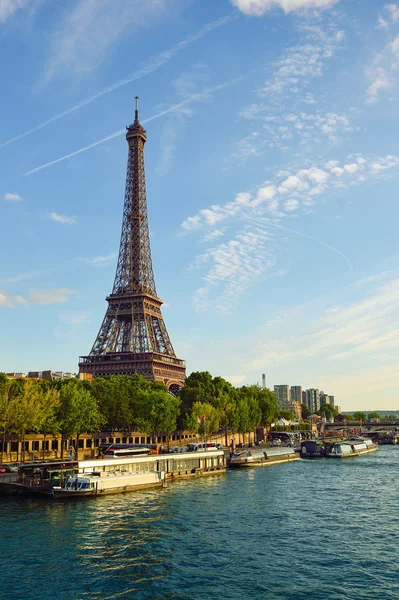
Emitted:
<point x="113" y="475"/>
<point x="351" y="448"/>
<point x="265" y="458"/>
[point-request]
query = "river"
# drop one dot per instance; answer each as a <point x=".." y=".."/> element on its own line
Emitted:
<point x="309" y="530"/>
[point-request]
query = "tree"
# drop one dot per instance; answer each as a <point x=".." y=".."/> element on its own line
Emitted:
<point x="77" y="412"/>
<point x="48" y="422"/>
<point x="113" y="396"/>
<point x="203" y="418"/>
<point x="162" y="411"/>
<point x="27" y="415"/>
<point x="250" y="412"/>
<point x="305" y="411"/>
<point x="328" y="410"/>
<point x="8" y="392"/>
<point x="374" y="415"/>
<point x="287" y="415"/>
<point x="359" y="416"/>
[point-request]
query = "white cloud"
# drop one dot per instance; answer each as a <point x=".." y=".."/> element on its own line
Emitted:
<point x="393" y="10"/>
<point x="91" y="28"/>
<point x="303" y="185"/>
<point x="233" y="267"/>
<point x="269" y="129"/>
<point x="75" y="319"/>
<point x="364" y="326"/>
<point x="62" y="218"/>
<point x="303" y="62"/>
<point x="291" y="205"/>
<point x="54" y="296"/>
<point x="100" y="261"/>
<point x="258" y="8"/>
<point x="9" y="7"/>
<point x="13" y="197"/>
<point x="236" y="264"/>
<point x="380" y="81"/>
<point x="153" y="64"/>
<point x="382" y="23"/>
<point x="212" y="235"/>
<point x="381" y="71"/>
<point x="5" y="300"/>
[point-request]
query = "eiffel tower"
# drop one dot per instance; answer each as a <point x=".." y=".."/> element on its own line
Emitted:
<point x="133" y="336"/>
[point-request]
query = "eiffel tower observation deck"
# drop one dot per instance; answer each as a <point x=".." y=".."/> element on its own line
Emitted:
<point x="133" y="336"/>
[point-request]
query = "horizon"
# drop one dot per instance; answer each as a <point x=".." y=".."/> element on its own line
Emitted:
<point x="271" y="169"/>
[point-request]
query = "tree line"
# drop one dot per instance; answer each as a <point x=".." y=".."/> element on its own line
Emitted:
<point x="68" y="408"/>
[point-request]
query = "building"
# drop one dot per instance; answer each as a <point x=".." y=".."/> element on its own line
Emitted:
<point x="283" y="395"/>
<point x="286" y="402"/>
<point x="51" y="375"/>
<point x="324" y="399"/>
<point x="296" y="393"/>
<point x="133" y="337"/>
<point x="15" y="375"/>
<point x="313" y="399"/>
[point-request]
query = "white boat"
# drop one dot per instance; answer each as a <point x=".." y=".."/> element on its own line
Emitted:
<point x="265" y="458"/>
<point x="104" y="482"/>
<point x="351" y="448"/>
<point x="122" y="474"/>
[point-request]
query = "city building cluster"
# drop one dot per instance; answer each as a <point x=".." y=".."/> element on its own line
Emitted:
<point x="46" y="375"/>
<point x="291" y="397"/>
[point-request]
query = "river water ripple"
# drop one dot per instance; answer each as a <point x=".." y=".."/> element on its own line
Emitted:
<point x="302" y="531"/>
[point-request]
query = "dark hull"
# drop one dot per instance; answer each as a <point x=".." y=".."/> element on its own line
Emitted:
<point x="312" y="456"/>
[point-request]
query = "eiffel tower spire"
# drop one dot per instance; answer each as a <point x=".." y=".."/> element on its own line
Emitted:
<point x="133" y="336"/>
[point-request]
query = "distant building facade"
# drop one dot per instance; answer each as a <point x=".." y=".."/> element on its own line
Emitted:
<point x="324" y="399"/>
<point x="286" y="402"/>
<point x="313" y="399"/>
<point x="283" y="395"/>
<point x="51" y="375"/>
<point x="296" y="393"/>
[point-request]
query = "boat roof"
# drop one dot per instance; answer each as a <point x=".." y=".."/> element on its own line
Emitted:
<point x="152" y="457"/>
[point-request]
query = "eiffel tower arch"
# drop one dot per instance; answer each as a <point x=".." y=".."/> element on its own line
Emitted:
<point x="133" y="337"/>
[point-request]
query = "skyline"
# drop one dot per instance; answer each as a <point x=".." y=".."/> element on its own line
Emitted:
<point x="271" y="169"/>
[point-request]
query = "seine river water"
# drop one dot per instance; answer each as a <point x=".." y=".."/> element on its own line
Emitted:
<point x="307" y="530"/>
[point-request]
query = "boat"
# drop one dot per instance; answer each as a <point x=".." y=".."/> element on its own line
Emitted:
<point x="114" y="473"/>
<point x="106" y="482"/>
<point x="312" y="449"/>
<point x="351" y="448"/>
<point x="265" y="458"/>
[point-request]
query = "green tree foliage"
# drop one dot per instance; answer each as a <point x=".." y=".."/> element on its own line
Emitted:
<point x="373" y="415"/>
<point x="77" y="411"/>
<point x="207" y="414"/>
<point x="126" y="403"/>
<point x="287" y="415"/>
<point x="359" y="416"/>
<point x="27" y="410"/>
<point x="305" y="411"/>
<point x="161" y="410"/>
<point x="328" y="411"/>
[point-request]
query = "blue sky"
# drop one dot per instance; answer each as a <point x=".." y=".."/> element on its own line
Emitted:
<point x="272" y="170"/>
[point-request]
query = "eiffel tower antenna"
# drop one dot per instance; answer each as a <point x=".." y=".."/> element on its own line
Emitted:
<point x="133" y="336"/>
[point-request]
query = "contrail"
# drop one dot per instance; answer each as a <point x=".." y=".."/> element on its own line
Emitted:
<point x="173" y="108"/>
<point x="152" y="65"/>
<point x="315" y="240"/>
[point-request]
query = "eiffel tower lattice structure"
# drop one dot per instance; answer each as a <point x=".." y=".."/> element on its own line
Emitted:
<point x="133" y="336"/>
